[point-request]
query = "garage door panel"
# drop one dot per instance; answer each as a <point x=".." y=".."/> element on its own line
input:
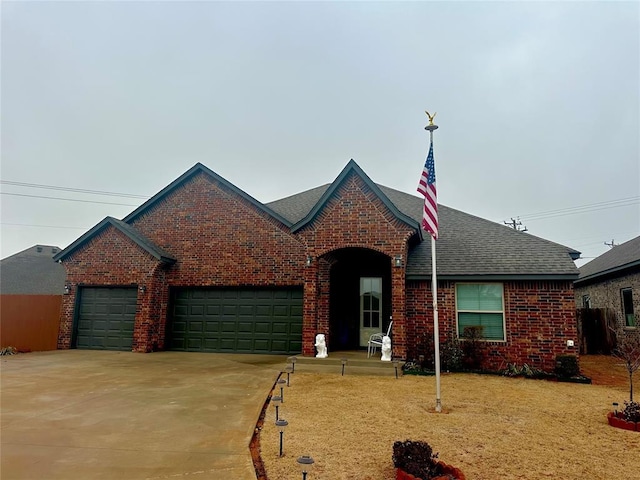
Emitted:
<point x="260" y="320"/>
<point x="262" y="327"/>
<point x="245" y="327"/>
<point x="106" y="318"/>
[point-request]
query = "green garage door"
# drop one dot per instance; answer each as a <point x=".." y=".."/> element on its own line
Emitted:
<point x="106" y="318"/>
<point x="244" y="320"/>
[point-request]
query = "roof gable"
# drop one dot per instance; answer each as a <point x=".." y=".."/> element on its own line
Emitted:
<point x="196" y="169"/>
<point x="352" y="167"/>
<point x="135" y="236"/>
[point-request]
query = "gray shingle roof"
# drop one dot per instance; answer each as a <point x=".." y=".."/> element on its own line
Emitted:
<point x="32" y="272"/>
<point x="468" y="246"/>
<point x="617" y="259"/>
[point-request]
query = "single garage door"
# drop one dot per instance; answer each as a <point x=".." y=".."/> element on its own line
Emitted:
<point x="243" y="320"/>
<point x="106" y="318"/>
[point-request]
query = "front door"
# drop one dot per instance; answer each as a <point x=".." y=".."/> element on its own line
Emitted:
<point x="370" y="308"/>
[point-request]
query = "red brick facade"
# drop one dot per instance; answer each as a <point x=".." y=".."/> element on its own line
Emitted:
<point x="220" y="238"/>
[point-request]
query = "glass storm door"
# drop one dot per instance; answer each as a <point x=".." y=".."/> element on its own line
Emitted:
<point x="370" y="308"/>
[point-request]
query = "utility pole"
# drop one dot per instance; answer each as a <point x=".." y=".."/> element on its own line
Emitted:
<point x="516" y="224"/>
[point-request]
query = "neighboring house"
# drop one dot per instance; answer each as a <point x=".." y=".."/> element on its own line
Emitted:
<point x="31" y="288"/>
<point x="612" y="281"/>
<point x="203" y="266"/>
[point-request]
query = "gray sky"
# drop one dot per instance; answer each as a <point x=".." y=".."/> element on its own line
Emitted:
<point x="538" y="107"/>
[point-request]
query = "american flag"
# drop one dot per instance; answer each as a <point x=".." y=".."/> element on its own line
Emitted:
<point x="427" y="187"/>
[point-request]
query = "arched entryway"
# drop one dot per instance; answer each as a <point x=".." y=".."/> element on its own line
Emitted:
<point x="359" y="297"/>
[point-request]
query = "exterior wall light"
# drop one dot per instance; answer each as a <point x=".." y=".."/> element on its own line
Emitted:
<point x="397" y="261"/>
<point x="309" y="260"/>
<point x="142" y="288"/>
<point x="67" y="289"/>
<point x="306" y="464"/>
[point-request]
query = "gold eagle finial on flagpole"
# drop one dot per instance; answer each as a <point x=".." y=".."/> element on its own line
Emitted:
<point x="431" y="117"/>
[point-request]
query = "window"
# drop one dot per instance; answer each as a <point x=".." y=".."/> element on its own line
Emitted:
<point x="627" y="307"/>
<point x="481" y="305"/>
<point x="371" y="302"/>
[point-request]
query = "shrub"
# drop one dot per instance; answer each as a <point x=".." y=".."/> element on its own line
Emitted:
<point x="472" y="347"/>
<point x="631" y="412"/>
<point x="416" y="458"/>
<point x="8" y="351"/>
<point x="451" y="354"/>
<point x="567" y="366"/>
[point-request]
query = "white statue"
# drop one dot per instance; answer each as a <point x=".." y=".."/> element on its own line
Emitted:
<point x="321" y="345"/>
<point x="386" y="348"/>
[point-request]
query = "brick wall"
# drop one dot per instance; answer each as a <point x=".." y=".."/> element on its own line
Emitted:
<point x="353" y="218"/>
<point x="607" y="293"/>
<point x="539" y="318"/>
<point x="221" y="239"/>
<point x="218" y="238"/>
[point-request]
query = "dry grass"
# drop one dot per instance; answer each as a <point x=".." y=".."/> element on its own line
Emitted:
<point x="495" y="427"/>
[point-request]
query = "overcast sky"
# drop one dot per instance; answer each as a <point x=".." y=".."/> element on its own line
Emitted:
<point x="538" y="107"/>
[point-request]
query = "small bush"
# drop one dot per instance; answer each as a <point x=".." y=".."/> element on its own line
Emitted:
<point x="451" y="354"/>
<point x="567" y="366"/>
<point x="472" y="347"/>
<point x="416" y="458"/>
<point x="8" y="351"/>
<point x="631" y="412"/>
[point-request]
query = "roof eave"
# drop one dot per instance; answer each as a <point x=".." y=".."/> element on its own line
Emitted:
<point x="110" y="221"/>
<point x="497" y="277"/>
<point x="606" y="273"/>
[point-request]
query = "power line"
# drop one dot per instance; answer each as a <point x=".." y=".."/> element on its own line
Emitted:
<point x="42" y="226"/>
<point x="622" y="202"/>
<point x="68" y="199"/>
<point x="70" y="189"/>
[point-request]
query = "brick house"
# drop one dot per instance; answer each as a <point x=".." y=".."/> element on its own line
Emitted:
<point x="612" y="281"/>
<point x="203" y="266"/>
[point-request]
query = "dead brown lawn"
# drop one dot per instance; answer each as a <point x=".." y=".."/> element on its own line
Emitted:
<point x="495" y="428"/>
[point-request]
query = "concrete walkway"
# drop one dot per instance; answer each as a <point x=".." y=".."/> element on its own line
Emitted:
<point x="79" y="414"/>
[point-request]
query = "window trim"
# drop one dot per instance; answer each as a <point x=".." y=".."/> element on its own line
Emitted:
<point x="624" y="310"/>
<point x="502" y="312"/>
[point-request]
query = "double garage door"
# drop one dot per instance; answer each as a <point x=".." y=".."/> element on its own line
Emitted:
<point x="246" y="320"/>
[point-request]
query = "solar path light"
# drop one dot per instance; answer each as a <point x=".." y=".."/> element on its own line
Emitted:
<point x="282" y="425"/>
<point x="344" y="362"/>
<point x="282" y="383"/>
<point x="276" y="400"/>
<point x="306" y="464"/>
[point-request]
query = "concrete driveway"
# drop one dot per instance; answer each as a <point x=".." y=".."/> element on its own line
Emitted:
<point x="80" y="414"/>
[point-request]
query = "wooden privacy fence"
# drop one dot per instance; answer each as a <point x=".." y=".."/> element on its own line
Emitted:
<point x="596" y="329"/>
<point x="30" y="322"/>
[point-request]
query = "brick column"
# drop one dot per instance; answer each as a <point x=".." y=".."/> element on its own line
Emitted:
<point x="398" y="310"/>
<point x="310" y="309"/>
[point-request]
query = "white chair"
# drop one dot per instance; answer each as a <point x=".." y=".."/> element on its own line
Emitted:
<point x="375" y="340"/>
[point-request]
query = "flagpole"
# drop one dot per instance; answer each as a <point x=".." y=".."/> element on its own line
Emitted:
<point x="434" y="291"/>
